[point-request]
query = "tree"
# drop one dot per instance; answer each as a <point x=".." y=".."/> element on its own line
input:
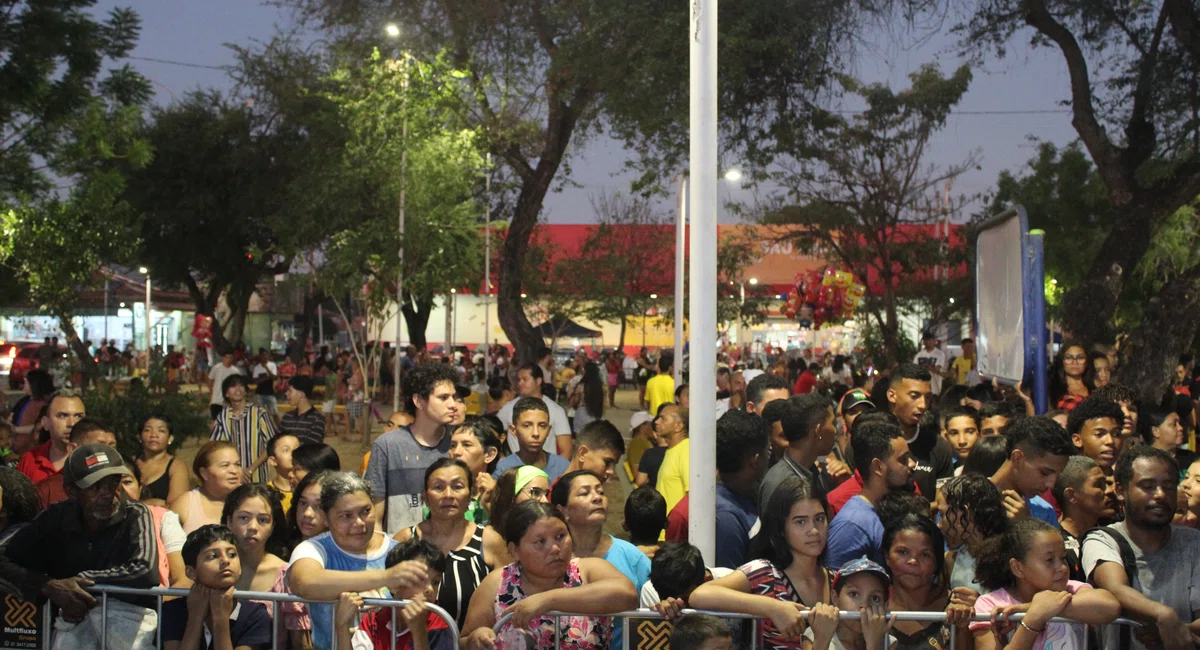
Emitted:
<point x="213" y="205"/>
<point x="238" y="187"/>
<point x="64" y="123"/>
<point x="623" y="260"/>
<point x="857" y="193"/>
<point x="443" y="242"/>
<point x="552" y="293"/>
<point x="1133" y="71"/>
<point x="51" y="69"/>
<point x="541" y="76"/>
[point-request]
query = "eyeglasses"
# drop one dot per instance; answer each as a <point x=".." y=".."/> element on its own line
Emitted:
<point x="1075" y="358"/>
<point x="537" y="492"/>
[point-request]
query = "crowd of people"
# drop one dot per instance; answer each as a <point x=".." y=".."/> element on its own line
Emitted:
<point x="839" y="490"/>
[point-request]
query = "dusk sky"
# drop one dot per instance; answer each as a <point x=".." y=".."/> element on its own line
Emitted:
<point x="196" y="33"/>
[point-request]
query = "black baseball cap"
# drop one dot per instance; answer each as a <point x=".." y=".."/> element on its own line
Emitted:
<point x="90" y="463"/>
<point x="854" y="398"/>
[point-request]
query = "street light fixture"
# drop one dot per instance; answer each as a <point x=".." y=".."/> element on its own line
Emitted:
<point x="753" y="281"/>
<point x="654" y="296"/>
<point x="393" y="30"/>
<point x="681" y="220"/>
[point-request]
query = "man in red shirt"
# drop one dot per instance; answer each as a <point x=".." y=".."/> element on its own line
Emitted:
<point x="85" y="432"/>
<point x="47" y="459"/>
<point x="806" y="382"/>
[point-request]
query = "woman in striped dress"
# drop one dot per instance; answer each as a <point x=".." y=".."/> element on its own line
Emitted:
<point x="449" y="485"/>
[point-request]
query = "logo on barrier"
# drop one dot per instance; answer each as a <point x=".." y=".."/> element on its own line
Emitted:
<point x="20" y="613"/>
<point x="653" y="635"/>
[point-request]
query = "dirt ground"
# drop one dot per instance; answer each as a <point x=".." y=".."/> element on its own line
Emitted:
<point x="351" y="453"/>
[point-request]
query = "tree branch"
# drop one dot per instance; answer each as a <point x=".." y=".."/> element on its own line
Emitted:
<point x="1120" y="182"/>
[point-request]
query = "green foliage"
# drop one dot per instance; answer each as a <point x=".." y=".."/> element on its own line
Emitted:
<point x="855" y="194"/>
<point x="397" y="117"/>
<point x="125" y="411"/>
<point x="51" y="69"/>
<point x="1064" y="196"/>
<point x="542" y="76"/>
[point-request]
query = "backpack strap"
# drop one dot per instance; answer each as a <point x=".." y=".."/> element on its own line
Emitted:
<point x="1129" y="561"/>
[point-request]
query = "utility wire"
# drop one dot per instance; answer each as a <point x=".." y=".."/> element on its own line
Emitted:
<point x="184" y="64"/>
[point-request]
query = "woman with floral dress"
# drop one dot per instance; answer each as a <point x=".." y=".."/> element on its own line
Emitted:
<point x="545" y="578"/>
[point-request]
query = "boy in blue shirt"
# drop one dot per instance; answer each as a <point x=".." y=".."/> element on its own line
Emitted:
<point x="531" y="426"/>
<point x="209" y="618"/>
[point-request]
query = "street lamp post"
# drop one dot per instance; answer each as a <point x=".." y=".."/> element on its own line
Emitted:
<point x="146" y="314"/>
<point x="393" y="31"/>
<point x="702" y="427"/>
<point x="680" y="248"/>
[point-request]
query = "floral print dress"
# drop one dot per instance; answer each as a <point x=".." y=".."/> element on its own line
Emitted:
<point x="578" y="632"/>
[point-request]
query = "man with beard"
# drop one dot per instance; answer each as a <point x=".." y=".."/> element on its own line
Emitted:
<point x="909" y="395"/>
<point x="1147" y="563"/>
<point x="97" y="536"/>
<point x="886" y="465"/>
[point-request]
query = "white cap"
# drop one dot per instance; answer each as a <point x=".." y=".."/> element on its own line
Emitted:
<point x="640" y="418"/>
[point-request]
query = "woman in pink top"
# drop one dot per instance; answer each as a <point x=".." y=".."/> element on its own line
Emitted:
<point x="1025" y="571"/>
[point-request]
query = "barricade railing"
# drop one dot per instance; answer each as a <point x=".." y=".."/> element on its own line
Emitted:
<point x="159" y="593"/>
<point x="924" y="617"/>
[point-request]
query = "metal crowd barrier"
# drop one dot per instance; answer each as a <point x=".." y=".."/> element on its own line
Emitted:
<point x="754" y="639"/>
<point x="275" y="598"/>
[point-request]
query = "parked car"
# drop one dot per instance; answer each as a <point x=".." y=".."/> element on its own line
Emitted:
<point x="25" y="359"/>
<point x="8" y="352"/>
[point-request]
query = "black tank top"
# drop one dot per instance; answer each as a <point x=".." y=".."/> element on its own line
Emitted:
<point x="465" y="569"/>
<point x="161" y="486"/>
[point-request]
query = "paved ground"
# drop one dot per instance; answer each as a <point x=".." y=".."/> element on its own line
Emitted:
<point x="351" y="452"/>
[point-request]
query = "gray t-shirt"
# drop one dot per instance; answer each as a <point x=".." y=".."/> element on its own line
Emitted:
<point x="396" y="472"/>
<point x="1170" y="576"/>
<point x="780" y="472"/>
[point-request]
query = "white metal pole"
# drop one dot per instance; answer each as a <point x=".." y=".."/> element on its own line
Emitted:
<point x="400" y="268"/>
<point x="702" y="423"/>
<point x="320" y="326"/>
<point x="680" y="250"/>
<point x="487" y="273"/>
<point x="146" y="319"/>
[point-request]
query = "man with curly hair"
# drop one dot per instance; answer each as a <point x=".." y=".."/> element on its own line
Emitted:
<point x="396" y="470"/>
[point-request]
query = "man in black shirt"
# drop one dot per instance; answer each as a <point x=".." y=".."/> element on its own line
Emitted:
<point x="306" y="422"/>
<point x="96" y="536"/>
<point x="909" y="395"/>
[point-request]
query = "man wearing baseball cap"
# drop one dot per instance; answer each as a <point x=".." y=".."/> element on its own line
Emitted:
<point x="97" y="536"/>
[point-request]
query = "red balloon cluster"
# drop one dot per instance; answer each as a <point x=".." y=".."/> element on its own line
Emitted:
<point x="823" y="297"/>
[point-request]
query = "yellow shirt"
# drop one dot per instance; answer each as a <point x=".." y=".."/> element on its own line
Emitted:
<point x="660" y="390"/>
<point x="285" y="497"/>
<point x="674" y="474"/>
<point x="962" y="366"/>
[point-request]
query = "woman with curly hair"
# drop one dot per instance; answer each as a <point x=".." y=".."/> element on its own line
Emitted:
<point x="971" y="511"/>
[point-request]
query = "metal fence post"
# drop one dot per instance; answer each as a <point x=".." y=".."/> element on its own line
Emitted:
<point x="274" y="624"/>
<point x="158" y="633"/>
<point x="104" y="621"/>
<point x="557" y="633"/>
<point x="392" y="609"/>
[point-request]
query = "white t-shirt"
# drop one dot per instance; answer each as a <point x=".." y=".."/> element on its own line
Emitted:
<point x="936" y="358"/>
<point x="649" y="596"/>
<point x="218" y="374"/>
<point x="269" y="369"/>
<point x="559" y="424"/>
<point x="172" y="533"/>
